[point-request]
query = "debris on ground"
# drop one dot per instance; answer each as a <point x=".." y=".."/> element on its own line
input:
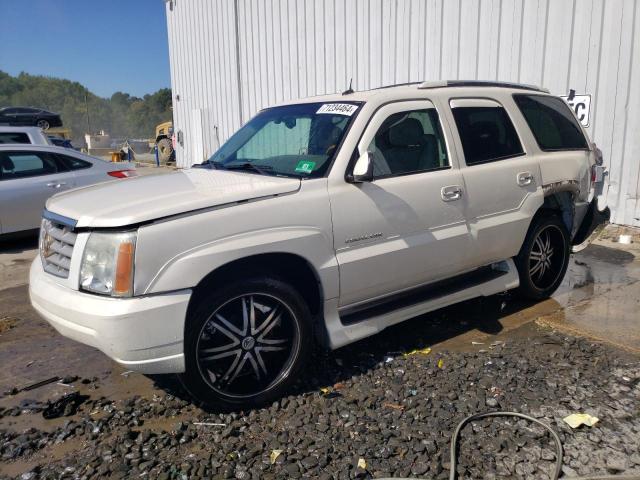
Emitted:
<point x="274" y="456"/>
<point x="64" y="406"/>
<point x="39" y="384"/>
<point x="575" y="420"/>
<point x="7" y="323"/>
<point x="419" y="351"/>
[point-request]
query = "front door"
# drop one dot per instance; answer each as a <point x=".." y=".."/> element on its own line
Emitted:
<point x="406" y="227"/>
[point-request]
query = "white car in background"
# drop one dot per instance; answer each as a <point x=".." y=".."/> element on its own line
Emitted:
<point x="30" y="174"/>
<point x="23" y="135"/>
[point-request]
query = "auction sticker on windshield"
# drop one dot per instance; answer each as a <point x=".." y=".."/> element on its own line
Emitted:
<point x="305" y="166"/>
<point x="338" y="109"/>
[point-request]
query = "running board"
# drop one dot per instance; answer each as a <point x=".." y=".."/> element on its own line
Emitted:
<point x="350" y="324"/>
<point x="419" y="295"/>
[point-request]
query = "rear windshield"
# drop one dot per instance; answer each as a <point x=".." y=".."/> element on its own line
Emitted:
<point x="14" y="137"/>
<point x="552" y="122"/>
<point x="292" y="140"/>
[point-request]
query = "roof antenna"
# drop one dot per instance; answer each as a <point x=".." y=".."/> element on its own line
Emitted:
<point x="349" y="90"/>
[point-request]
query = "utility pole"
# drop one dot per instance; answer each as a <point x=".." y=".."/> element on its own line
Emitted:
<point x="86" y="106"/>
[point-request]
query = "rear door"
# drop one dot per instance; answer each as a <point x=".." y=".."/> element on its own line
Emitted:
<point x="27" y="180"/>
<point x="500" y="178"/>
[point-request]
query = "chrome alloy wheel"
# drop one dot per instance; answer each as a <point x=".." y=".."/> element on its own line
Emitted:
<point x="248" y="345"/>
<point x="546" y="257"/>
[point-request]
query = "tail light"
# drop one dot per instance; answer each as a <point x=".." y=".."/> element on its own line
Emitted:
<point x="123" y="173"/>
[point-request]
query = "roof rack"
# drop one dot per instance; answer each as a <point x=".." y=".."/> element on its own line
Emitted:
<point x="398" y="85"/>
<point x="480" y="83"/>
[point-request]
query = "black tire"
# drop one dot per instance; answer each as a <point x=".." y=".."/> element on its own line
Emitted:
<point x="43" y="124"/>
<point x="543" y="258"/>
<point x="254" y="368"/>
<point x="165" y="150"/>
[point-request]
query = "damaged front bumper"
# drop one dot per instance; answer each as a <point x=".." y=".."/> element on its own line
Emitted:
<point x="140" y="333"/>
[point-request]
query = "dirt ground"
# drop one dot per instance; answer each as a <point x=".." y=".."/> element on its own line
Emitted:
<point x="596" y="306"/>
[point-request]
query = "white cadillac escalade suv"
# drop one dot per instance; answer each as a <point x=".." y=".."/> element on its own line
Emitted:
<point x="326" y="219"/>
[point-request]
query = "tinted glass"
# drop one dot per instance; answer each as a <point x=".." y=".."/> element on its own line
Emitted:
<point x="408" y="142"/>
<point x="487" y="134"/>
<point x="26" y="164"/>
<point x="14" y="137"/>
<point x="552" y="122"/>
<point x="292" y="140"/>
<point x="73" y="163"/>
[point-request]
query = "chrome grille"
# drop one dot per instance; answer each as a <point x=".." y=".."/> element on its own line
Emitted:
<point x="56" y="247"/>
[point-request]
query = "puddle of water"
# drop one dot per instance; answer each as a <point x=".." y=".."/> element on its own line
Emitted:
<point x="600" y="296"/>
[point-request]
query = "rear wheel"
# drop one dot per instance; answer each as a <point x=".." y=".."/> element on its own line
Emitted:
<point x="43" y="124"/>
<point x="543" y="258"/>
<point x="246" y="344"/>
<point x="165" y="150"/>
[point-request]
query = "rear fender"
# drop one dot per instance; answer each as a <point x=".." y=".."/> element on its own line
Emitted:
<point x="592" y="224"/>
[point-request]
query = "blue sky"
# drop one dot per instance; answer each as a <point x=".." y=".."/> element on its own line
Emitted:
<point x="108" y="45"/>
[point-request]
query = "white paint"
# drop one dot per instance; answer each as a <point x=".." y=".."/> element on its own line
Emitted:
<point x="288" y="49"/>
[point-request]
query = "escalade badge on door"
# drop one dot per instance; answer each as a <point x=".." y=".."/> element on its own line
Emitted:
<point x="363" y="237"/>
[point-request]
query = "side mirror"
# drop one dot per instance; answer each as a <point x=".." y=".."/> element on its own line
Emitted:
<point x="363" y="169"/>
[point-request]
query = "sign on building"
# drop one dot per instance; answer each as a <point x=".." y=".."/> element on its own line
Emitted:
<point x="581" y="104"/>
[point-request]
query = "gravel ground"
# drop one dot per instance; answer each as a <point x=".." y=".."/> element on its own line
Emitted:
<point x="389" y="415"/>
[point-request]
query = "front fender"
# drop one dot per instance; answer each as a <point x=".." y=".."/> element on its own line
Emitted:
<point x="188" y="268"/>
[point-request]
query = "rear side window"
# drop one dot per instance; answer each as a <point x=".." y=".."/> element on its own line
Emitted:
<point x="73" y="163"/>
<point x="15" y="165"/>
<point x="14" y="137"/>
<point x="552" y="123"/>
<point x="487" y="134"/>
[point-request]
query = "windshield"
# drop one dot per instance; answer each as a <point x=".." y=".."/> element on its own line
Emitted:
<point x="292" y="140"/>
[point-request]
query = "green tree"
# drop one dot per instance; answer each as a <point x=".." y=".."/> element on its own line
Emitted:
<point x="122" y="115"/>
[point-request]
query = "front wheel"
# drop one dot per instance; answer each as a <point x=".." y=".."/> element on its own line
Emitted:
<point x="543" y="258"/>
<point x="246" y="343"/>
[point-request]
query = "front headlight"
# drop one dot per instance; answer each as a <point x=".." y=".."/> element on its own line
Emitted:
<point x="107" y="264"/>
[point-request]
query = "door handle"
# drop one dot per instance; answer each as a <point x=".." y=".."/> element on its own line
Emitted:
<point x="451" y="193"/>
<point x="56" y="184"/>
<point x="525" y="178"/>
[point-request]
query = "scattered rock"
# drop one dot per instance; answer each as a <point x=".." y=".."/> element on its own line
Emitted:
<point x="398" y="416"/>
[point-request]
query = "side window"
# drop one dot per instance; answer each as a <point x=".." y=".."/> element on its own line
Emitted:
<point x="552" y="123"/>
<point x="73" y="163"/>
<point x="14" y="137"/>
<point x="487" y="134"/>
<point x="15" y="165"/>
<point x="408" y="142"/>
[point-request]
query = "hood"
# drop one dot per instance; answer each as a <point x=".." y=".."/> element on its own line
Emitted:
<point x="140" y="199"/>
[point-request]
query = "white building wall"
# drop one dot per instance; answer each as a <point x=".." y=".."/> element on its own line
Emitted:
<point x="230" y="58"/>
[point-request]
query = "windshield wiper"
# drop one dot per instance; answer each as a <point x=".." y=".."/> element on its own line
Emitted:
<point x="261" y="169"/>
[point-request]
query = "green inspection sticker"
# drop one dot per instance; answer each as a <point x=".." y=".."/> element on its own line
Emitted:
<point x="305" y="166"/>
